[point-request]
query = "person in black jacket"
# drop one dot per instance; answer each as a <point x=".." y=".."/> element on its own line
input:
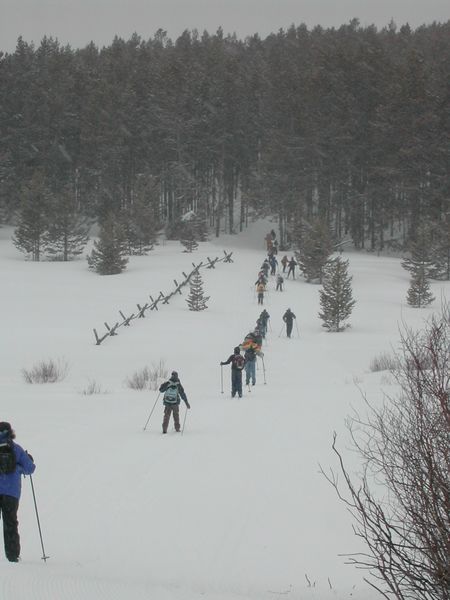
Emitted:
<point x="291" y="264"/>
<point x="288" y="318"/>
<point x="173" y="391"/>
<point x="14" y="462"/>
<point x="237" y="364"/>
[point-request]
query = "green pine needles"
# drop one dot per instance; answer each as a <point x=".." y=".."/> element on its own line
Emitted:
<point x="419" y="293"/>
<point x="108" y="256"/>
<point x="196" y="299"/>
<point x="336" y="297"/>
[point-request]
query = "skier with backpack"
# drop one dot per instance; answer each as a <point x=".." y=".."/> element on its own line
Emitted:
<point x="260" y="289"/>
<point x="173" y="392"/>
<point x="237" y="364"/>
<point x="14" y="462"/>
<point x="250" y="366"/>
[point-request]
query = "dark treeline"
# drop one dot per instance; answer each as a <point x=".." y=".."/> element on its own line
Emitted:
<point x="350" y="125"/>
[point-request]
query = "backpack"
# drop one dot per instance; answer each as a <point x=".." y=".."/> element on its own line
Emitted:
<point x="171" y="394"/>
<point x="239" y="362"/>
<point x="250" y="354"/>
<point x="7" y="458"/>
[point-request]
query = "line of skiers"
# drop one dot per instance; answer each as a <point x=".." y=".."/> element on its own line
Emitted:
<point x="269" y="265"/>
<point x="252" y="349"/>
<point x="247" y="362"/>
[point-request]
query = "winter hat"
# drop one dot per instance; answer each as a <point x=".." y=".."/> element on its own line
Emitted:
<point x="237" y="350"/>
<point x="6" y="432"/>
<point x="174" y="375"/>
<point x="5" y="427"/>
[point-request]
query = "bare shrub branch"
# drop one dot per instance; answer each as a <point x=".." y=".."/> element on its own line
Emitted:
<point x="148" y="377"/>
<point x="92" y="388"/>
<point x="400" y="502"/>
<point x="46" y="371"/>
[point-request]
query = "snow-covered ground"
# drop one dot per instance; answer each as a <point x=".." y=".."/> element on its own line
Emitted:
<point x="236" y="507"/>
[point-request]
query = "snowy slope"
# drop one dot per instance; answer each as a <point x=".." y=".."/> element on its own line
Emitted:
<point x="235" y="508"/>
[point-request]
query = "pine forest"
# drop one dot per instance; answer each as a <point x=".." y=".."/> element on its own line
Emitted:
<point x="349" y="125"/>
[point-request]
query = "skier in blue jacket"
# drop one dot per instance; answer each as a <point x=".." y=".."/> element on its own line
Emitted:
<point x="14" y="462"/>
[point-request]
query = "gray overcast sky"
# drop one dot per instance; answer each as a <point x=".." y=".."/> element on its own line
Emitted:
<point x="77" y="22"/>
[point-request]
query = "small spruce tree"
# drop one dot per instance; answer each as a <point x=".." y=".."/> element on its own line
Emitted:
<point x="108" y="256"/>
<point x="188" y="240"/>
<point x="336" y="297"/>
<point x="196" y="299"/>
<point x="419" y="292"/>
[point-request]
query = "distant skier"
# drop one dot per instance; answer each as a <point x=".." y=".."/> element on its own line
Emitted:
<point x="173" y="391"/>
<point x="288" y="318"/>
<point x="14" y="462"/>
<point x="265" y="267"/>
<point x="280" y="280"/>
<point x="261" y="278"/>
<point x="260" y="289"/>
<point x="263" y="322"/>
<point x="250" y="366"/>
<point x="273" y="264"/>
<point x="237" y="364"/>
<point x="284" y="262"/>
<point x="257" y="337"/>
<point x="291" y="264"/>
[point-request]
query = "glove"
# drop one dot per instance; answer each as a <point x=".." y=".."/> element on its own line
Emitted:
<point x="221" y="364"/>
<point x="188" y="405"/>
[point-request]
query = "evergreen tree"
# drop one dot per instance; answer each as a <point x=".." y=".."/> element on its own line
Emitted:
<point x="108" y="256"/>
<point x="336" y="295"/>
<point x="196" y="299"/>
<point x="420" y="248"/>
<point x="188" y="238"/>
<point x="315" y="250"/>
<point x="33" y="217"/>
<point x="140" y="227"/>
<point x="68" y="229"/>
<point x="419" y="292"/>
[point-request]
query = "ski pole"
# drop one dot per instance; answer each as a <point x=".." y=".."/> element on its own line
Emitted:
<point x="44" y="556"/>
<point x="264" y="369"/>
<point x="281" y="330"/>
<point x="151" y="412"/>
<point x="184" y="421"/>
<point x="221" y="379"/>
<point x="296" y="324"/>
